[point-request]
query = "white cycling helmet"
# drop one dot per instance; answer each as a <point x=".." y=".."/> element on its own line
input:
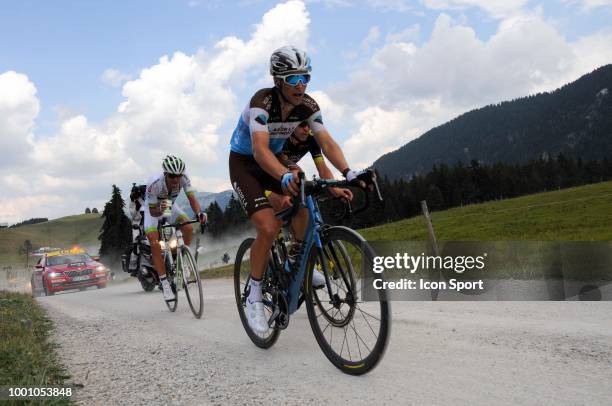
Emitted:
<point x="173" y="165"/>
<point x="288" y="60"/>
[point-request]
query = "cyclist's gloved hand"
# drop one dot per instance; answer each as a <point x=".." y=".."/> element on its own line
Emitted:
<point x="289" y="183"/>
<point x="203" y="217"/>
<point x="353" y="177"/>
<point x="349" y="174"/>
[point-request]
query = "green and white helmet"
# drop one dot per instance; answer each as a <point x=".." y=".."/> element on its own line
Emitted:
<point x="173" y="165"/>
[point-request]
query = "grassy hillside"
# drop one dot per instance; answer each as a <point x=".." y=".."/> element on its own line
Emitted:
<point x="64" y="232"/>
<point x="577" y="214"/>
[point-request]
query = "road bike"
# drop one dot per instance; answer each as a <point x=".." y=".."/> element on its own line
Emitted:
<point x="352" y="332"/>
<point x="181" y="269"/>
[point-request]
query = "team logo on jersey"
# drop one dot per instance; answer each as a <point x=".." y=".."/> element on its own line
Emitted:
<point x="261" y="119"/>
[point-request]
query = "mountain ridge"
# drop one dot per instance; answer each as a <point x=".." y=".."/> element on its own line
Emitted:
<point x="575" y="120"/>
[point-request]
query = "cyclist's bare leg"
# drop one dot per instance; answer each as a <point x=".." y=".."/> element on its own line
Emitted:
<point x="267" y="226"/>
<point x="156" y="255"/>
<point x="299" y="224"/>
<point x="187" y="231"/>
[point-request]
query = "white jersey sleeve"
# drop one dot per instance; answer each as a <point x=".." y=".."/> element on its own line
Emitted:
<point x="258" y="120"/>
<point x="186" y="185"/>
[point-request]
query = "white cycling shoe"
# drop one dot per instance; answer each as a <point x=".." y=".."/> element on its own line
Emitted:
<point x="168" y="294"/>
<point x="318" y="279"/>
<point x="256" y="317"/>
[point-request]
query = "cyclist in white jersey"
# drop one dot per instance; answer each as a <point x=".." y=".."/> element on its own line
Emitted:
<point x="161" y="188"/>
<point x="267" y="121"/>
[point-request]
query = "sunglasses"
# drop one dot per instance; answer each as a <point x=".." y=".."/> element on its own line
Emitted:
<point x="303" y="124"/>
<point x="173" y="176"/>
<point x="293" y="80"/>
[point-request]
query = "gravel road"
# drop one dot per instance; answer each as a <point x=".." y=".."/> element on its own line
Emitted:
<point x="125" y="347"/>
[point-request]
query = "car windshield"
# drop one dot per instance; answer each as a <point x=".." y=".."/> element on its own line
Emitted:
<point x="67" y="259"/>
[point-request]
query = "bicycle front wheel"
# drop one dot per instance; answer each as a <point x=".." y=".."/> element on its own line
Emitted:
<point x="192" y="283"/>
<point x="242" y="276"/>
<point x="352" y="333"/>
<point x="171" y="276"/>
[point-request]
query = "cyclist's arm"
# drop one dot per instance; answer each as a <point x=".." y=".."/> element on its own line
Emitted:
<point x="331" y="150"/>
<point x="323" y="169"/>
<point x="264" y="156"/>
<point x="284" y="159"/>
<point x="190" y="193"/>
<point x="193" y="202"/>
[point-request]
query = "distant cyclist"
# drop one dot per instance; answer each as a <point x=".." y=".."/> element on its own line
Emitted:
<point x="161" y="189"/>
<point x="300" y="143"/>
<point x="263" y="127"/>
<point x="136" y="208"/>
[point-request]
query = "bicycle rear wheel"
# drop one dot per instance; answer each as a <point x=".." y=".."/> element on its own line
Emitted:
<point x="352" y="333"/>
<point x="242" y="276"/>
<point x="171" y="276"/>
<point x="192" y="283"/>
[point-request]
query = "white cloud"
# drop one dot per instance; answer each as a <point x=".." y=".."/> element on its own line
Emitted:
<point x="409" y="34"/>
<point x="175" y="106"/>
<point x="588" y="5"/>
<point x="379" y="132"/>
<point x="114" y="78"/>
<point x="331" y="3"/>
<point x="333" y="112"/>
<point x="403" y="90"/>
<point x="391" y="5"/>
<point x="496" y="8"/>
<point x="371" y="39"/>
<point x="19" y="107"/>
<point x="12" y="210"/>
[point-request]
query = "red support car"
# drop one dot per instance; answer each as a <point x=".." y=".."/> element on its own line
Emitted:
<point x="67" y="269"/>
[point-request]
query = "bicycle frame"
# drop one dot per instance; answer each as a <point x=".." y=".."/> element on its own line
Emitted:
<point x="311" y="238"/>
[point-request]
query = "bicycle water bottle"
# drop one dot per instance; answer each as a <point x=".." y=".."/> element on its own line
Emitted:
<point x="168" y="210"/>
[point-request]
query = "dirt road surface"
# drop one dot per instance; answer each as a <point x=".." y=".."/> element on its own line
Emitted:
<point x="125" y="347"/>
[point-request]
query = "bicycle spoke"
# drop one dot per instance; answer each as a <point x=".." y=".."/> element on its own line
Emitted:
<point x="369" y="325"/>
<point x="363" y="311"/>
<point x="358" y="336"/>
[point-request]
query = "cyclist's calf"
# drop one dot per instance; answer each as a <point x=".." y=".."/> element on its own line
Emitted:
<point x="156" y="255"/>
<point x="187" y="231"/>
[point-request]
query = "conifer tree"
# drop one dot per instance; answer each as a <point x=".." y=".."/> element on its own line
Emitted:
<point x="115" y="234"/>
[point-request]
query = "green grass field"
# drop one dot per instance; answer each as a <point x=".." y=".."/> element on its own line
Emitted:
<point x="27" y="357"/>
<point x="577" y="214"/>
<point x="82" y="229"/>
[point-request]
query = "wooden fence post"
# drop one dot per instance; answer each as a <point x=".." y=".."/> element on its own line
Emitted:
<point x="430" y="230"/>
<point x="434" y="274"/>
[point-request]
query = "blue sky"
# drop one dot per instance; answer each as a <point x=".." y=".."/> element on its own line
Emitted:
<point x="86" y="101"/>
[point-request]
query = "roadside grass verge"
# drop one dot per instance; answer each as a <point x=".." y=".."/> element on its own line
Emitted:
<point x="225" y="271"/>
<point x="27" y="357"/>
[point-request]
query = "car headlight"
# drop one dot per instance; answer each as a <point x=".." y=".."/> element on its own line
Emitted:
<point x="101" y="268"/>
<point x="54" y="274"/>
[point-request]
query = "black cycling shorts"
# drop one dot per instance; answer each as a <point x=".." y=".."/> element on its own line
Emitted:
<point x="250" y="182"/>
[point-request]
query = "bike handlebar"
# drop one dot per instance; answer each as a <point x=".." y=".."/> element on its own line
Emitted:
<point x="179" y="224"/>
<point x="317" y="186"/>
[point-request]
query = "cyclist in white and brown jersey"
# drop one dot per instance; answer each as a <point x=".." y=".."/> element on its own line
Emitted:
<point x="267" y="121"/>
